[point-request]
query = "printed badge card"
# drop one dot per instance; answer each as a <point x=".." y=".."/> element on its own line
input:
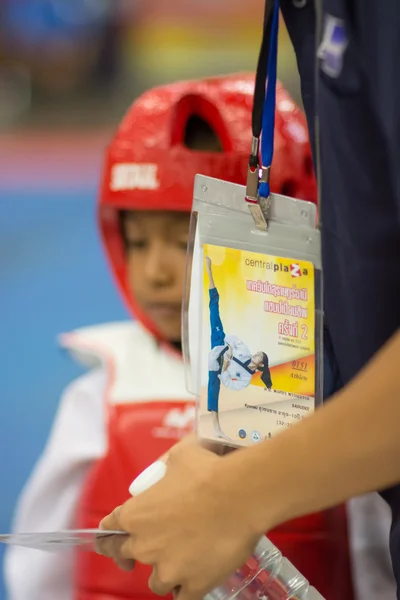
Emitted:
<point x="258" y="317"/>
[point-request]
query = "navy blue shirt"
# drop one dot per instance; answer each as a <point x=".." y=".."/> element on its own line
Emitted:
<point x="357" y="99"/>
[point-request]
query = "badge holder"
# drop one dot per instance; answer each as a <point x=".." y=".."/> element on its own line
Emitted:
<point x="252" y="319"/>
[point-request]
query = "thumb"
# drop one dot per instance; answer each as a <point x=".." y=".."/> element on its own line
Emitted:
<point x="111" y="521"/>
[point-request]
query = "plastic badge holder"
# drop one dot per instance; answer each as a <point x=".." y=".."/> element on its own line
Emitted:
<point x="269" y="334"/>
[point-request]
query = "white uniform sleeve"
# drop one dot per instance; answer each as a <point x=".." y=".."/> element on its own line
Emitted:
<point x="240" y="350"/>
<point x="49" y="498"/>
<point x="369" y="528"/>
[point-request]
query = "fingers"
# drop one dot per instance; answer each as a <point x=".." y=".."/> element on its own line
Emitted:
<point x="119" y="548"/>
<point x="105" y="545"/>
<point x="125" y="564"/>
<point x="112" y="521"/>
<point x="110" y="545"/>
<point x="161" y="585"/>
<point x="184" y="593"/>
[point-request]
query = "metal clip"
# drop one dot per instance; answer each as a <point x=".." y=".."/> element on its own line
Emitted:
<point x="265" y="174"/>
<point x="258" y="206"/>
<point x="258" y="215"/>
<point x="252" y="184"/>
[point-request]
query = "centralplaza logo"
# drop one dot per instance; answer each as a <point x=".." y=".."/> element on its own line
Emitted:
<point x="293" y="268"/>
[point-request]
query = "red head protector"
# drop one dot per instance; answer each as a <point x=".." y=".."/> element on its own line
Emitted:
<point x="148" y="166"/>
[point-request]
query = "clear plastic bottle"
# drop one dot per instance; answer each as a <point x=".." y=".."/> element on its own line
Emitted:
<point x="266" y="575"/>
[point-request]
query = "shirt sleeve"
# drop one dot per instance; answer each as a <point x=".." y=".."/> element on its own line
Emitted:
<point x="48" y="501"/>
<point x="239" y="348"/>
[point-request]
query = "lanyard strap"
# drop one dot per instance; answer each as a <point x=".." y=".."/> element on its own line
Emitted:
<point x="263" y="116"/>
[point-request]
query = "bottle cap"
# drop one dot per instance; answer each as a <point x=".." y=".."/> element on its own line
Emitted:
<point x="150" y="476"/>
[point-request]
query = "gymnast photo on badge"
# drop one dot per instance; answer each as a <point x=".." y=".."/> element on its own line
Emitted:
<point x="230" y="360"/>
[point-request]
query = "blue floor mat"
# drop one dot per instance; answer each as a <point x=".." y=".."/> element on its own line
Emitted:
<point x="53" y="279"/>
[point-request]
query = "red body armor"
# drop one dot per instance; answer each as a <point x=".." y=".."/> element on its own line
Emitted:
<point x="317" y="545"/>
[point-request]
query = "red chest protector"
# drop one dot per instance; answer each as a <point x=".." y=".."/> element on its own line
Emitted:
<point x="138" y="434"/>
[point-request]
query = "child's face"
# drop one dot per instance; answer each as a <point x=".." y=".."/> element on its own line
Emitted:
<point x="156" y="254"/>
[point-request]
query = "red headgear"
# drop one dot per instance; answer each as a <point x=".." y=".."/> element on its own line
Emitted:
<point x="148" y="167"/>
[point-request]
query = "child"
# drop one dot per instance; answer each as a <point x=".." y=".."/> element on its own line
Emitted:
<point x="132" y="404"/>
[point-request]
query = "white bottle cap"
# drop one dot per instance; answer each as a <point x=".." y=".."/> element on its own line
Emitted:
<point x="150" y="476"/>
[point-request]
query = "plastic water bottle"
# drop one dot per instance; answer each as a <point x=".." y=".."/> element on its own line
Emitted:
<point x="266" y="575"/>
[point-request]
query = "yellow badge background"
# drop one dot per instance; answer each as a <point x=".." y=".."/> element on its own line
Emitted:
<point x="291" y="359"/>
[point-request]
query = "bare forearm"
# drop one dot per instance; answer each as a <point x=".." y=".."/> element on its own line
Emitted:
<point x="350" y="446"/>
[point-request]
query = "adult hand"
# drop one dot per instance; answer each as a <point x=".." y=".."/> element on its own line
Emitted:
<point x="190" y="526"/>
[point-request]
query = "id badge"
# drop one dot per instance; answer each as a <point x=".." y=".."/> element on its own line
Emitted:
<point x="253" y="322"/>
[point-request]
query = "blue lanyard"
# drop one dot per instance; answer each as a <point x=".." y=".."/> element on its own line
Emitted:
<point x="268" y="117"/>
<point x="263" y="117"/>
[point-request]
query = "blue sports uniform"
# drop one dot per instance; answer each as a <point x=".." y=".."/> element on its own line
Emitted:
<point x="217" y="339"/>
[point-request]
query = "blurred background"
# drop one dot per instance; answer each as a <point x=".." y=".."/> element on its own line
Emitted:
<point x="68" y="71"/>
